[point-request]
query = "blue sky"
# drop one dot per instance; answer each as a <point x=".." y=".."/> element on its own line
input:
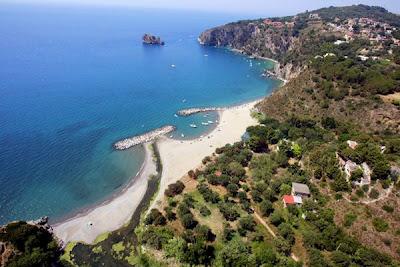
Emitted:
<point x="255" y="7"/>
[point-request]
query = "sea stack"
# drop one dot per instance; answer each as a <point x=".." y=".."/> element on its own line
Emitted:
<point x="152" y="40"/>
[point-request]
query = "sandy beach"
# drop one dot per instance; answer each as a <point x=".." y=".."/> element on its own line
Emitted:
<point x="177" y="157"/>
<point x="110" y="215"/>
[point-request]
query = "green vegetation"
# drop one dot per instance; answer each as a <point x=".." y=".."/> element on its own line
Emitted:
<point x="34" y="246"/>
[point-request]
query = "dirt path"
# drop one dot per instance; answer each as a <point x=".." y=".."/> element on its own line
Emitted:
<point x="383" y="196"/>
<point x="264" y="223"/>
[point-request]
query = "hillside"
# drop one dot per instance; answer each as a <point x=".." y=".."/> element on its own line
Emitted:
<point x="315" y="183"/>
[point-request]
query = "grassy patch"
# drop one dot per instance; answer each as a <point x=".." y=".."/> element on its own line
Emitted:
<point x="349" y="219"/>
<point x="101" y="237"/>
<point x="67" y="253"/>
<point x="380" y="225"/>
<point x="118" y="247"/>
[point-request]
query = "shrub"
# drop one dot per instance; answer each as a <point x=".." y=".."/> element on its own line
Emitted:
<point x="204" y="211"/>
<point x="374" y="194"/>
<point x="388" y="208"/>
<point x="349" y="219"/>
<point x="174" y="189"/>
<point x="380" y="225"/>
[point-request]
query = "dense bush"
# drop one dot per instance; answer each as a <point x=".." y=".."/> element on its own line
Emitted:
<point x="174" y="189"/>
<point x="155" y="217"/>
<point x="36" y="246"/>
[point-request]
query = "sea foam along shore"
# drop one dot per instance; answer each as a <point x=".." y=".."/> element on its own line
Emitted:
<point x="177" y="158"/>
<point x="113" y="213"/>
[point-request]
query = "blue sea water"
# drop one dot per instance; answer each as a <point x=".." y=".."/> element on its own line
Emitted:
<point x="73" y="80"/>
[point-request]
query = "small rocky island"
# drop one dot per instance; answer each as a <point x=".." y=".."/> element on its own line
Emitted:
<point x="152" y="40"/>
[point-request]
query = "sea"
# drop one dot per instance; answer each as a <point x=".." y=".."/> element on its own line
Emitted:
<point x="76" y="79"/>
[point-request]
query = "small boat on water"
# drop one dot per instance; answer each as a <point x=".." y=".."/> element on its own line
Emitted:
<point x="204" y="123"/>
<point x="182" y="135"/>
<point x="183" y="100"/>
<point x="206" y="55"/>
<point x="210" y="122"/>
<point x="175" y="115"/>
<point x="193" y="125"/>
<point x="173" y="66"/>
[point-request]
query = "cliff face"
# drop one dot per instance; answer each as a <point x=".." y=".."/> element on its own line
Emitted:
<point x="256" y="39"/>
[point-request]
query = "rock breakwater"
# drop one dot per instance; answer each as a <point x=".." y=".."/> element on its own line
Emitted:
<point x="191" y="111"/>
<point x="143" y="138"/>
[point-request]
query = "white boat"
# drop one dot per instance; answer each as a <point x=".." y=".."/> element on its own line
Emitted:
<point x="193" y="125"/>
<point x="211" y="122"/>
<point x="173" y="66"/>
<point x="206" y="55"/>
<point x="176" y="116"/>
<point x="182" y="135"/>
<point x="204" y="123"/>
<point x="184" y="100"/>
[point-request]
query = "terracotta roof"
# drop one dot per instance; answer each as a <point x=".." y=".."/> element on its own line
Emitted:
<point x="288" y="199"/>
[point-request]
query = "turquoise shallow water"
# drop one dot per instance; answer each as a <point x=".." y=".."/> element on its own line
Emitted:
<point x="75" y="80"/>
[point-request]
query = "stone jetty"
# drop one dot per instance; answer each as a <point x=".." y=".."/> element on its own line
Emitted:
<point x="143" y="138"/>
<point x="190" y="111"/>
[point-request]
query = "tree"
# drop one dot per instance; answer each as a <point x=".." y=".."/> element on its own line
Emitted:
<point x="266" y="207"/>
<point x="34" y="245"/>
<point x="247" y="223"/>
<point x="155" y="217"/>
<point x="188" y="221"/>
<point x="236" y="254"/>
<point x="282" y="245"/>
<point x="174" y="189"/>
<point x="276" y="218"/>
<point x="285" y="230"/>
<point x="232" y="189"/>
<point x="174" y="248"/>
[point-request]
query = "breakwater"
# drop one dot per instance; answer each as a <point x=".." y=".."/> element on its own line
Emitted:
<point x="143" y="138"/>
<point x="190" y="111"/>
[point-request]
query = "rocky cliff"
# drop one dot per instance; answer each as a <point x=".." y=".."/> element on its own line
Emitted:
<point x="255" y="38"/>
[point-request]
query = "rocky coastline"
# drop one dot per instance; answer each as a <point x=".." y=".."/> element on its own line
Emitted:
<point x="143" y="138"/>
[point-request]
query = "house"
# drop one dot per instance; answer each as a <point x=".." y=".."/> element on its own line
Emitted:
<point x="352" y="144"/>
<point x="300" y="190"/>
<point x="289" y="200"/>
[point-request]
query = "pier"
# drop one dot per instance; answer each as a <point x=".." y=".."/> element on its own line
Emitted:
<point x="143" y="138"/>
<point x="190" y="111"/>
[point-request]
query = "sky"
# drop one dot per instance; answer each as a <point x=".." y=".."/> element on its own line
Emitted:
<point x="255" y="7"/>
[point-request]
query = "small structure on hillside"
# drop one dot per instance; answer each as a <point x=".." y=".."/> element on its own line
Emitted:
<point x="352" y="144"/>
<point x="289" y="200"/>
<point x="300" y="190"/>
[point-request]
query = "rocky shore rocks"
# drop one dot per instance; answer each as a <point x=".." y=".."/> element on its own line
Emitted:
<point x="152" y="40"/>
<point x="190" y="111"/>
<point x="143" y="138"/>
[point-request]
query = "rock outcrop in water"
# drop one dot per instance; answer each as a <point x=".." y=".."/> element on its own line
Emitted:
<point x="152" y="40"/>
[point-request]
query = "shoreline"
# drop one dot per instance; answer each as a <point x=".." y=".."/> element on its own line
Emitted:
<point x="180" y="156"/>
<point x="112" y="213"/>
<point x="87" y="225"/>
